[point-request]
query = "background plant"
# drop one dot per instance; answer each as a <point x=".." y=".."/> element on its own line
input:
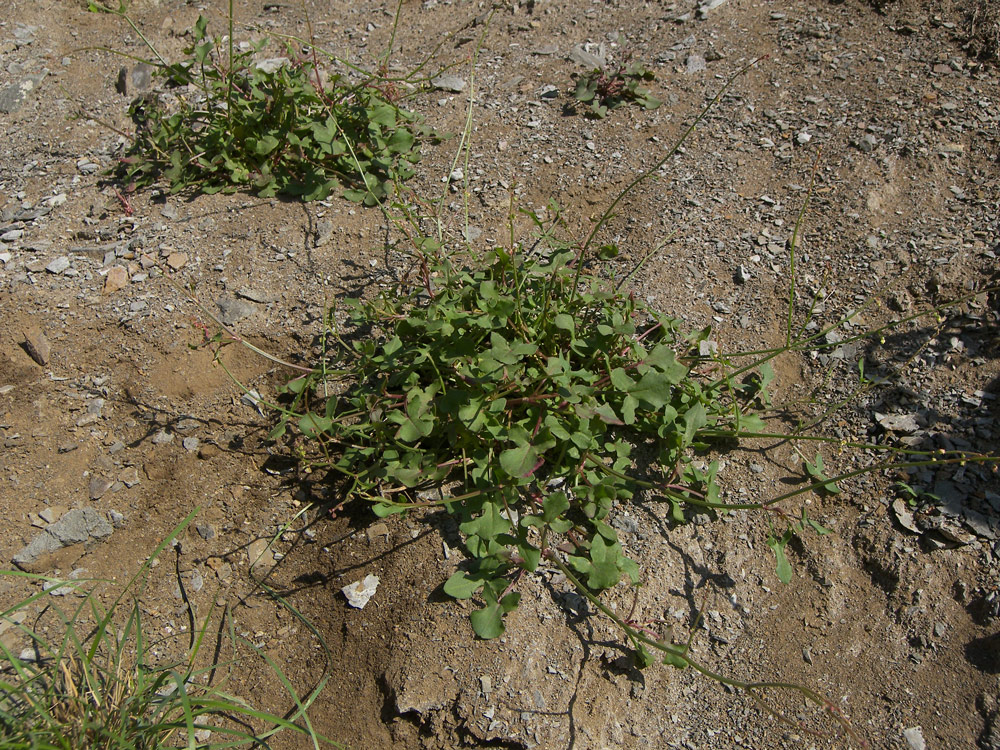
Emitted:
<point x="605" y="90"/>
<point x="289" y="128"/>
<point x="98" y="683"/>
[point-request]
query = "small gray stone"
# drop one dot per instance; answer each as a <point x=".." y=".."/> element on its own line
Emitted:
<point x="80" y="525"/>
<point x="162" y="437"/>
<point x="14" y="95"/>
<point x="695" y="64"/>
<point x="233" y="310"/>
<point x="448" y="82"/>
<point x="914" y="738"/>
<point x="272" y="64"/>
<point x="142" y="77"/>
<point x="193" y="583"/>
<point x="867" y="143"/>
<point x="12" y="235"/>
<point x="708" y="6"/>
<point x="75" y="527"/>
<point x="58" y="265"/>
<point x="116" y="518"/>
<point x="190" y="444"/>
<point x="205" y="531"/>
<point x="324" y="233"/>
<point x="99" y="486"/>
<point x="86" y="166"/>
<point x="594" y="57"/>
<point x="742" y="275"/>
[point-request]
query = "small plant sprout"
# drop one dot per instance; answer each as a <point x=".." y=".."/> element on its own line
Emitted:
<point x="605" y="90"/>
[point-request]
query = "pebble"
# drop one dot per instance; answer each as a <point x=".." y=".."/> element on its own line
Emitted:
<point x="116" y="279"/>
<point x="867" y="143"/>
<point x="359" y="593"/>
<point x="58" y="265"/>
<point x="129" y="477"/>
<point x="914" y="738"/>
<point x="75" y="527"/>
<point x="177" y="260"/>
<point x="592" y="56"/>
<point x="12" y="97"/>
<point x="207" y="451"/>
<point x="448" y="82"/>
<point x="116" y="518"/>
<point x="708" y="6"/>
<point x="190" y="444"/>
<point x="162" y="437"/>
<point x="695" y="64"/>
<point x="12" y="235"/>
<point x="98" y="487"/>
<point x="324" y="233"/>
<point x="260" y="557"/>
<point x="37" y="346"/>
<point x="232" y="310"/>
<point x="205" y="531"/>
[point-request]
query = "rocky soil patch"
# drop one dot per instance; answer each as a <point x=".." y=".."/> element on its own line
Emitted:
<point x="114" y="424"/>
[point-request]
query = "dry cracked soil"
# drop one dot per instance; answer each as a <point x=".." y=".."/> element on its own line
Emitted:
<point x="115" y="424"/>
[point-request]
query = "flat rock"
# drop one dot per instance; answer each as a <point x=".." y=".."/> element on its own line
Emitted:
<point x="79" y="526"/>
<point x="12" y="97"/>
<point x="448" y="82"/>
<point x="37" y="346"/>
<point x="116" y="279"/>
<point x="260" y="557"/>
<point x="177" y="260"/>
<point x="593" y="56"/>
<point x="58" y="265"/>
<point x="232" y="310"/>
<point x="99" y="486"/>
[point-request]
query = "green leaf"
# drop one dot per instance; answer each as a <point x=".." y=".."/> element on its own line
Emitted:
<point x="387" y="509"/>
<point x="564" y="321"/>
<point x="521" y="460"/>
<point x="675" y="659"/>
<point x="312" y="425"/>
<point x="654" y="389"/>
<point x="629" y="405"/>
<point x="694" y="419"/>
<point x="554" y="505"/>
<point x="816" y="471"/>
<point x="461" y="586"/>
<point x="265" y="145"/>
<point x="488" y="622"/>
<point x="488" y="524"/>
<point x="663" y="359"/>
<point x="784" y="569"/>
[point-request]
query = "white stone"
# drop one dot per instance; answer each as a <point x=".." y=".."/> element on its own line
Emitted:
<point x="360" y="593"/>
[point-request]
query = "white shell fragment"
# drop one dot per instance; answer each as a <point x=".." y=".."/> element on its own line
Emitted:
<point x="360" y="592"/>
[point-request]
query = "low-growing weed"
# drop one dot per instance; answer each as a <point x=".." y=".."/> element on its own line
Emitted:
<point x="230" y="122"/>
<point x="605" y="90"/>
<point x="96" y="678"/>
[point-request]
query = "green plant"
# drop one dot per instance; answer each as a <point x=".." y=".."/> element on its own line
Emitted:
<point x="284" y="128"/>
<point x="605" y="90"/>
<point x="531" y="385"/>
<point x="98" y="683"/>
